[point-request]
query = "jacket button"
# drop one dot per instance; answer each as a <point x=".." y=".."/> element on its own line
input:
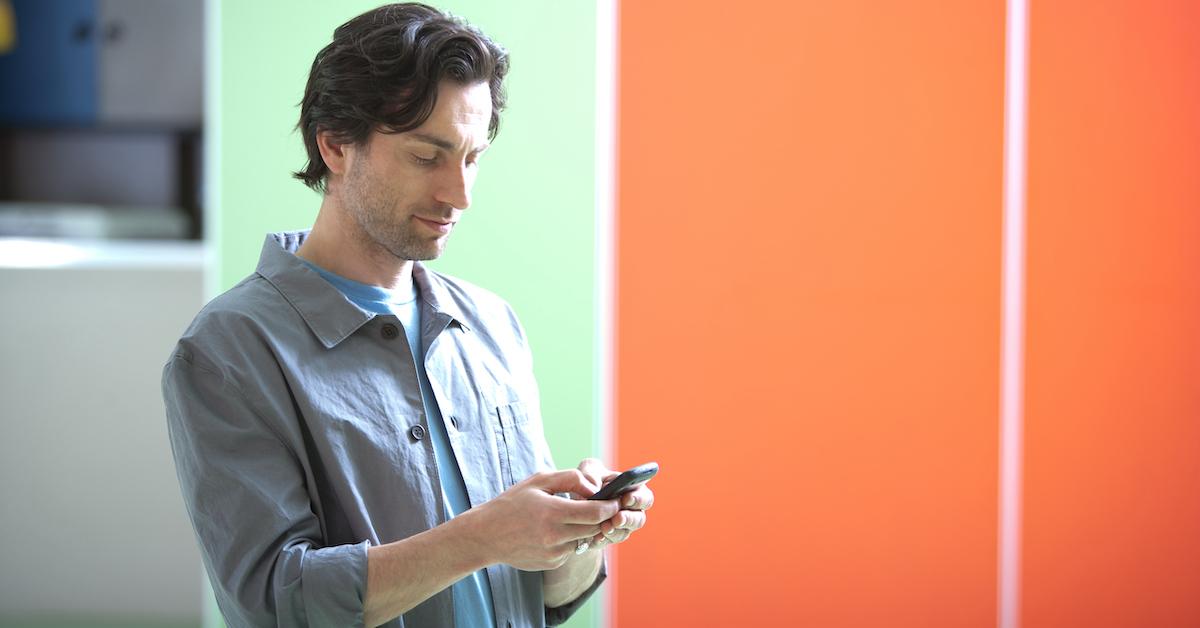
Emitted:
<point x="454" y="422"/>
<point x="389" y="331"/>
<point x="417" y="432"/>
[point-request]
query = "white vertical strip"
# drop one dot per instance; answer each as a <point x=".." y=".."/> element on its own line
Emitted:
<point x="1012" y="372"/>
<point x="211" y="176"/>
<point x="605" y="257"/>
<point x="210" y="615"/>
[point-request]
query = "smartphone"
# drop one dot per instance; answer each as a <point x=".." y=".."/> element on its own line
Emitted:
<point x="627" y="481"/>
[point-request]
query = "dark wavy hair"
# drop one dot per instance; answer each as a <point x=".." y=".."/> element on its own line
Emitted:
<point x="381" y="72"/>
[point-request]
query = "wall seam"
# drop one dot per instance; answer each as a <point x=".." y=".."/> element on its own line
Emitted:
<point x="1012" y="367"/>
<point x="605" y="257"/>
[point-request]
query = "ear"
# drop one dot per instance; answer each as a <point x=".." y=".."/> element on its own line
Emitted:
<point x="333" y="152"/>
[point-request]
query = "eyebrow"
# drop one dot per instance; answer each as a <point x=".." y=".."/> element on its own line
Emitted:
<point x="441" y="143"/>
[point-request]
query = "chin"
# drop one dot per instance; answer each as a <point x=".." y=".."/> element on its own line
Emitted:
<point x="421" y="254"/>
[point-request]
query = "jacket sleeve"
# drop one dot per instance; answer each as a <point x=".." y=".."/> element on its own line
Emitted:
<point x="245" y="494"/>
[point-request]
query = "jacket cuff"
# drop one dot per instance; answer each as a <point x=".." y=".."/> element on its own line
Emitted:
<point x="334" y="585"/>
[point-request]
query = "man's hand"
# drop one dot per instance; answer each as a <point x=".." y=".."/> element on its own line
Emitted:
<point x="634" y="505"/>
<point x="566" y="583"/>
<point x="531" y="528"/>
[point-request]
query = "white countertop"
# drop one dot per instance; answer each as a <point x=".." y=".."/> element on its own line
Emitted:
<point x="76" y="253"/>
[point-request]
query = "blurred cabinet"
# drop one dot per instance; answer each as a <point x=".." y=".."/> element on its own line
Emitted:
<point x="101" y="111"/>
<point x="104" y="62"/>
<point x="151" y="62"/>
<point x="50" y="75"/>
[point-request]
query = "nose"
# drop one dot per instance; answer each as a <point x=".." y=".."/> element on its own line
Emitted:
<point x="454" y="186"/>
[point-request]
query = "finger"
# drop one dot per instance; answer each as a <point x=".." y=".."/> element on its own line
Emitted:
<point x="620" y="527"/>
<point x="628" y="520"/>
<point x="613" y="536"/>
<point x="617" y="535"/>
<point x="570" y="534"/>
<point x="592" y="512"/>
<point x="607" y="527"/>
<point x="641" y="498"/>
<point x="575" y="532"/>
<point x="565" y="481"/>
<point x="594" y="470"/>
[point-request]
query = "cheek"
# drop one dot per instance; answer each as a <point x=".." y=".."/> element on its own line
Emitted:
<point x="393" y="191"/>
<point x="409" y="187"/>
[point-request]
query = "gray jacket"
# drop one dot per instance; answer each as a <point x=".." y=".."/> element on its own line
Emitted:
<point x="300" y="439"/>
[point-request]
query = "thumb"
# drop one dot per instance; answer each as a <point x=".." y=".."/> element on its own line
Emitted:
<point x="567" y="481"/>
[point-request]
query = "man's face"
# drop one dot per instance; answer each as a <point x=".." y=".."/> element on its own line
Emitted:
<point x="407" y="190"/>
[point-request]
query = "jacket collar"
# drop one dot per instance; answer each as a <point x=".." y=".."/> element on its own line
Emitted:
<point x="328" y="314"/>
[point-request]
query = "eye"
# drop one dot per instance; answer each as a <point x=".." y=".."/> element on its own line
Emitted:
<point x="424" y="161"/>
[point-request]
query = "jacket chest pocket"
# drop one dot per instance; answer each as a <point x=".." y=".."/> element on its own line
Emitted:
<point x="519" y="442"/>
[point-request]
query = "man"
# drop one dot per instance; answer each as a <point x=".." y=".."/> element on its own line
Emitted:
<point x="358" y="438"/>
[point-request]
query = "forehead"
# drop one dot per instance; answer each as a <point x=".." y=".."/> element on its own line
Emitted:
<point x="462" y="109"/>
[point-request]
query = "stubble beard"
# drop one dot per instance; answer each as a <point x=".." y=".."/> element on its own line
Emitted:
<point x="383" y="226"/>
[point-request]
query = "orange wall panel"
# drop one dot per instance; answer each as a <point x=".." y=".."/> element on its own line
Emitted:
<point x="808" y="315"/>
<point x="1112" y="474"/>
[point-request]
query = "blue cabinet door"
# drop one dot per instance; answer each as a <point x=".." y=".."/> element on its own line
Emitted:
<point x="50" y="76"/>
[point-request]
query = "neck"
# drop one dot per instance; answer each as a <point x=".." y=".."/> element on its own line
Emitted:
<point x="337" y="244"/>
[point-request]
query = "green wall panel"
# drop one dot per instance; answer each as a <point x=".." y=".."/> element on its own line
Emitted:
<point x="529" y="234"/>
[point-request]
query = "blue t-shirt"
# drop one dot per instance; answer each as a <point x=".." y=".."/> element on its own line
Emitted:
<point x="472" y="595"/>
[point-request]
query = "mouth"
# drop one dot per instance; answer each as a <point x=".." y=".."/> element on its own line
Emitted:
<point x="440" y="226"/>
